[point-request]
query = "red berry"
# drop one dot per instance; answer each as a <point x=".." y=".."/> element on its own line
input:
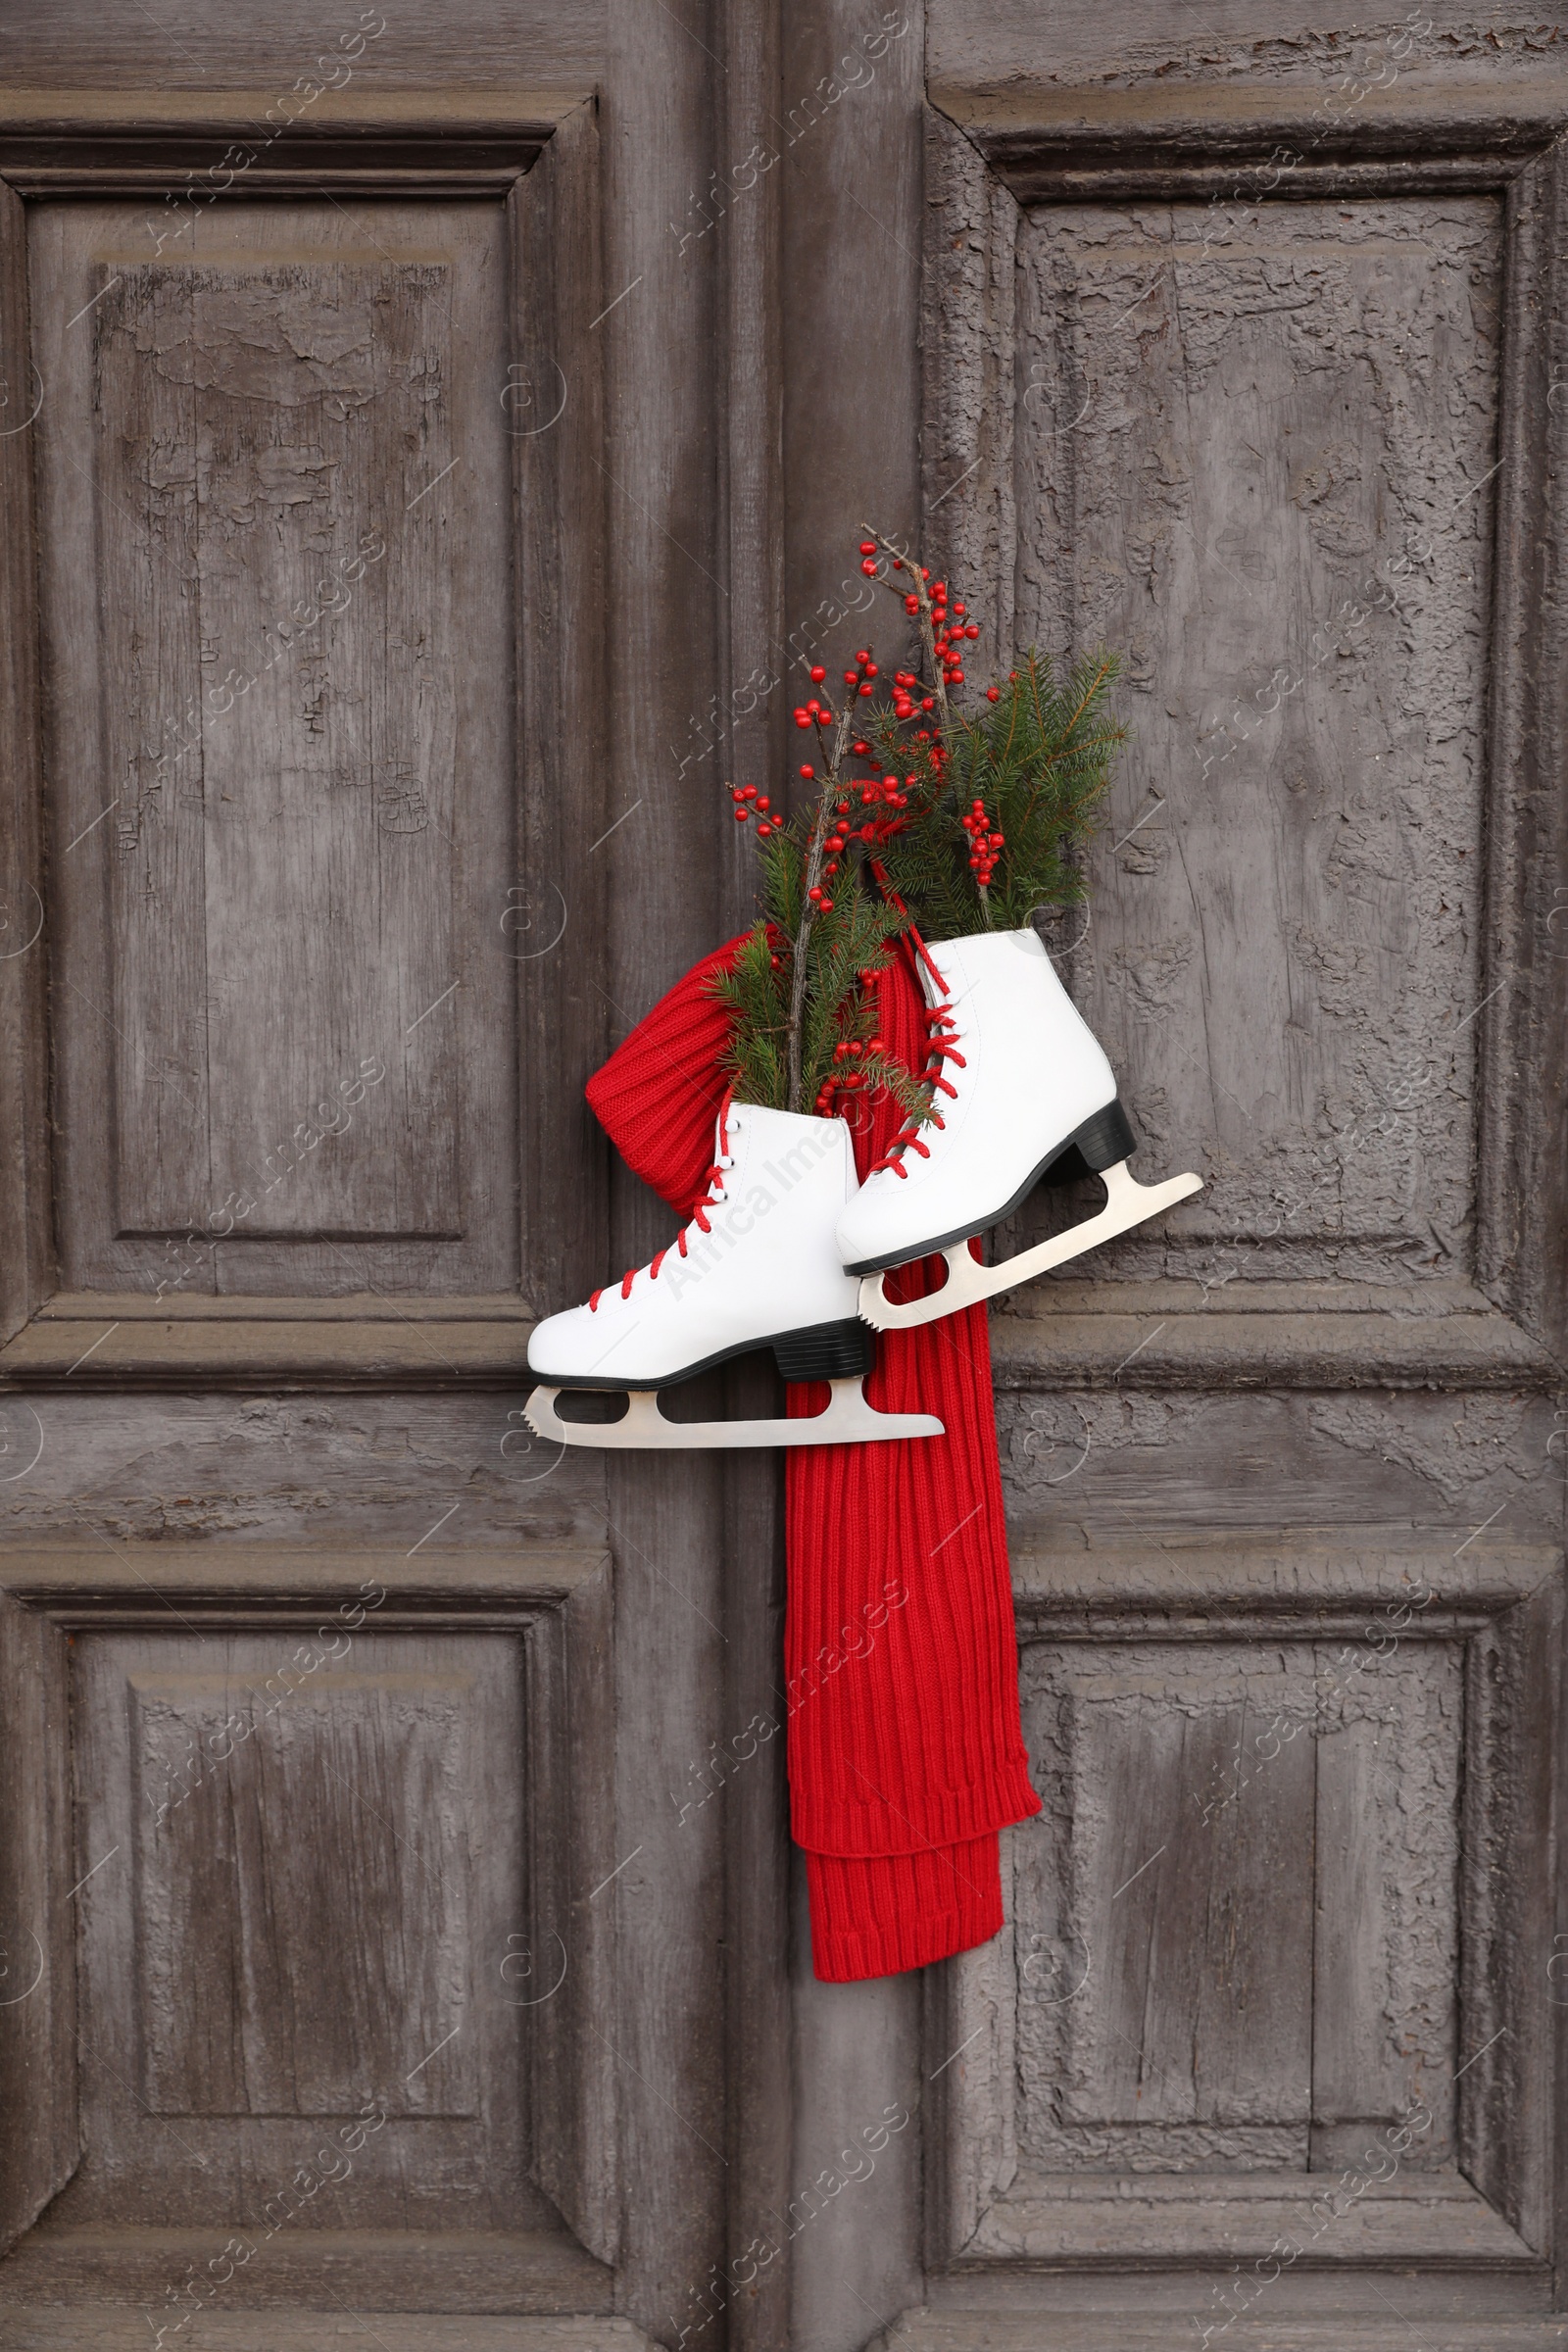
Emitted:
<point x="741" y="815"/>
<point x="911" y="604"/>
<point x="867" y="688"/>
<point x="927" y="703"/>
<point x="828" y="906"/>
<point x="819" y="674"/>
<point x="868" y="546"/>
<point x="814" y="895"/>
<point x="808" y="774"/>
<point x="852" y="677"/>
<point x="870" y="667"/>
<point x="862" y="654"/>
<point x="993" y="694"/>
<point x="869" y="568"/>
<point x="961" y="609"/>
<point x="803" y="718"/>
<point x="748" y="792"/>
<point x="897" y="563"/>
<point x="862" y="750"/>
<point x="763" y="802"/>
<point x="762" y="832"/>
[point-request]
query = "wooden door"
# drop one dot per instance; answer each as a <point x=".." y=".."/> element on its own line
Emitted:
<point x="429" y="449"/>
<point x="342" y="1749"/>
<point x="1237" y="355"/>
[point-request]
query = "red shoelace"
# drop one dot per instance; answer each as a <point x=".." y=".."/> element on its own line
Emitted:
<point x="714" y="1180"/>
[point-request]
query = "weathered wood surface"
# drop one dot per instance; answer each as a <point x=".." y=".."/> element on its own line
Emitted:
<point x="1121" y="1460"/>
<point x="1117" y="464"/>
<point x="286" y="1351"/>
<point x="429" y="67"/>
<point x="406" y="2269"/>
<point x="1309" y="721"/>
<point x="1212" y="1821"/>
<point x="303" y="786"/>
<point x="24" y="1263"/>
<point x="982" y="2331"/>
<point x="40" y="2143"/>
<point x="1208" y="1498"/>
<point x="100" y="2328"/>
<point x="1224" y="1332"/>
<point x="291" y="1977"/>
<point x="845" y="128"/>
<point x="1307" y="698"/>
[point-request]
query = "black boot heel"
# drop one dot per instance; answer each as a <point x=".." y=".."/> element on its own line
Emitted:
<point x="1099" y="1144"/>
<point x="826" y="1351"/>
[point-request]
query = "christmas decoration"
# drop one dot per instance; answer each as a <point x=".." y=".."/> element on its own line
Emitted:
<point x="756" y="1267"/>
<point x="896" y="1064"/>
<point x="1027" y="1095"/>
<point x="804" y="1030"/>
<point x="1017" y="1088"/>
<point x="904" y="1750"/>
<point x="996" y="798"/>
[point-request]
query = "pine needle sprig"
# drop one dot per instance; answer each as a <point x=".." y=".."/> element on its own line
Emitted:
<point x="964" y="819"/>
<point x="995" y="822"/>
<point x="832" y="949"/>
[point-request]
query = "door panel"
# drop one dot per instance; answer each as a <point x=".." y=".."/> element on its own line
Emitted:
<point x="326" y="1926"/>
<point x="282" y="1977"/>
<point x="278" y="649"/>
<point x="1229" y="431"/>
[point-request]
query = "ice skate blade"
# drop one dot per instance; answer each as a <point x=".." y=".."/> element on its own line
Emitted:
<point x="848" y="1421"/>
<point x="1127" y="1204"/>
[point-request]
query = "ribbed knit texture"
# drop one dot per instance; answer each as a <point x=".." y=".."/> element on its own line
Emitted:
<point x="905" y="1751"/>
<point x="873" y="1917"/>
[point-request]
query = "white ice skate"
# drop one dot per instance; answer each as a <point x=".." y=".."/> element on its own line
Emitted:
<point x="1023" y="1093"/>
<point x="757" y="1267"/>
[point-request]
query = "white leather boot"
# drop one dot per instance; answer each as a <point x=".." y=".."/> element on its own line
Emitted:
<point x="757" y="1267"/>
<point x="1024" y="1093"/>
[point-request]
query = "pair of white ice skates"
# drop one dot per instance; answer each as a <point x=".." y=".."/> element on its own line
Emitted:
<point x="788" y="1251"/>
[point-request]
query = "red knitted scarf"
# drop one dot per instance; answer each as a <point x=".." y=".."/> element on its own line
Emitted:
<point x="904" y="1748"/>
